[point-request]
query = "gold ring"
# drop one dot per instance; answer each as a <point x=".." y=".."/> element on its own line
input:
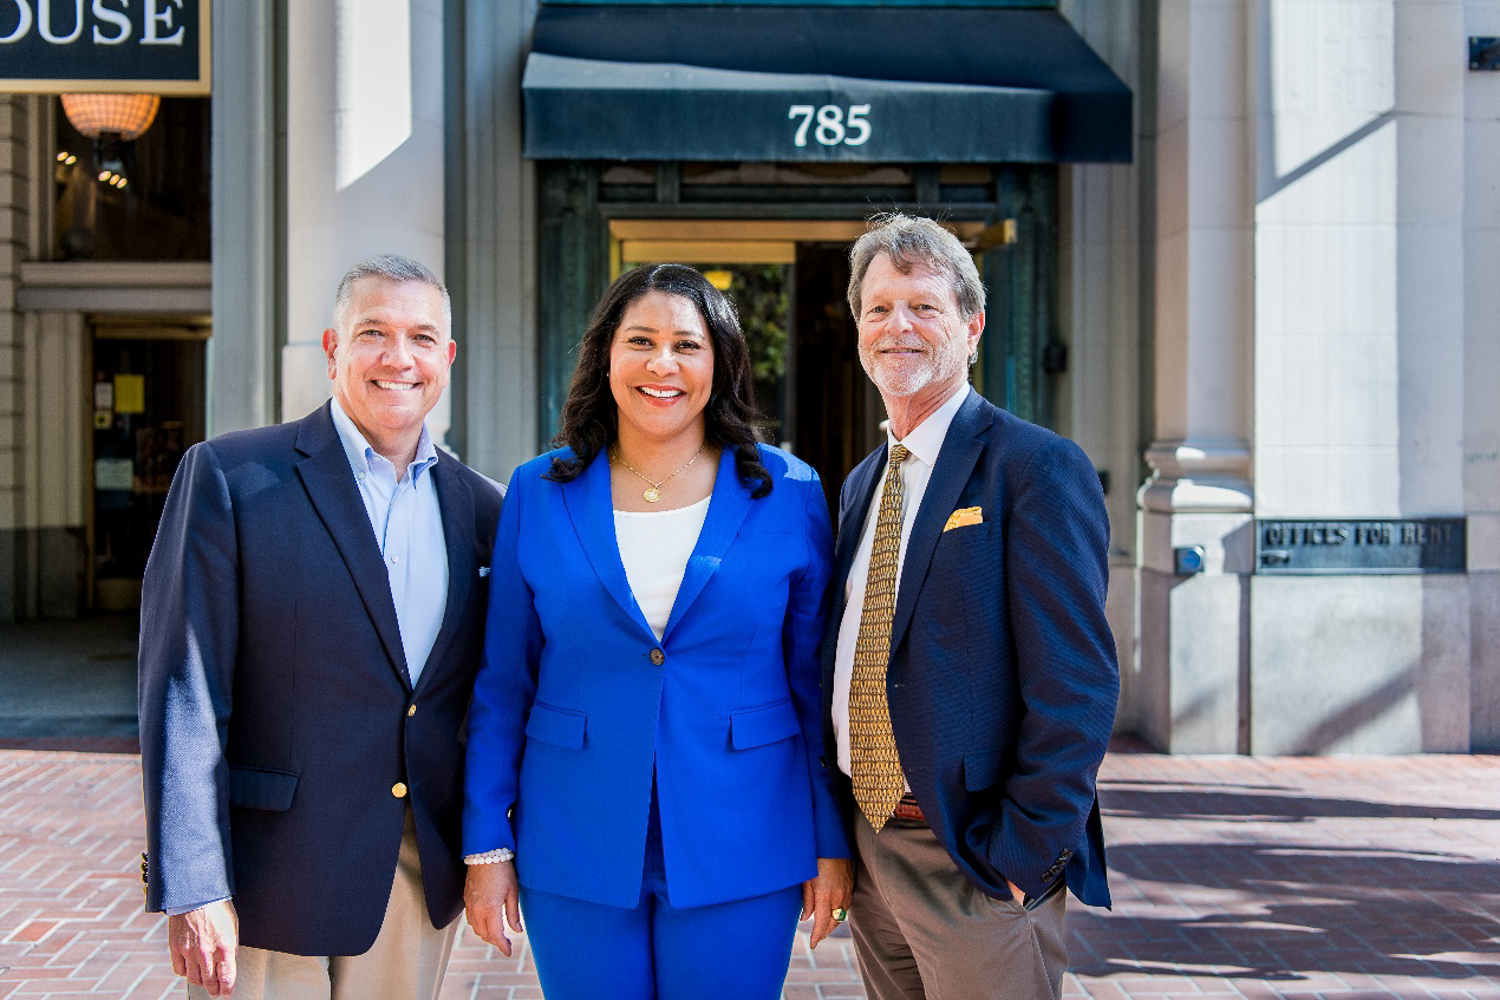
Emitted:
<point x="840" y="915"/>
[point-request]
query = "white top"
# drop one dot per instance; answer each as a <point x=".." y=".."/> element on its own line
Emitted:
<point x="924" y="443"/>
<point x="655" y="546"/>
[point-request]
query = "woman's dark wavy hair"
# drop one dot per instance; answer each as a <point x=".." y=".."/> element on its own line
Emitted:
<point x="590" y="418"/>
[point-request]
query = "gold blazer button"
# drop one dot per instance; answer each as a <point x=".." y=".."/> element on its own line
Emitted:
<point x="399" y="790"/>
<point x="411" y="711"/>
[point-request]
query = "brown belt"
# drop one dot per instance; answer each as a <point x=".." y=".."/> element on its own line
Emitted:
<point x="908" y="809"/>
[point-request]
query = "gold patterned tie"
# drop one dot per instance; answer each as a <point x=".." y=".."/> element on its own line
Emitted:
<point x="874" y="763"/>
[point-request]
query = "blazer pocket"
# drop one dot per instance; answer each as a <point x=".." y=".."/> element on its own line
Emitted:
<point x="967" y="534"/>
<point x="756" y="727"/>
<point x="982" y="769"/>
<point x="261" y="788"/>
<point x="556" y="726"/>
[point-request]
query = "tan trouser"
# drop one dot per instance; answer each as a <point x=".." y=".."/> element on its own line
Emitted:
<point x="922" y="931"/>
<point x="406" y="962"/>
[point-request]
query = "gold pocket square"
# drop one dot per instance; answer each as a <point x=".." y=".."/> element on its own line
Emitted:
<point x="963" y="516"/>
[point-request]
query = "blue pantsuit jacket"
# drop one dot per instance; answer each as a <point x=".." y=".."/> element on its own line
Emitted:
<point x="578" y="706"/>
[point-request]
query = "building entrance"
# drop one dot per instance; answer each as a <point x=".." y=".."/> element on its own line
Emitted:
<point x="787" y="280"/>
<point x="148" y="407"/>
<point x="775" y="238"/>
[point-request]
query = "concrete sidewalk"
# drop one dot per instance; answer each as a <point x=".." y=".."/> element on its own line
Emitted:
<point x="1233" y="878"/>
<point x="62" y="681"/>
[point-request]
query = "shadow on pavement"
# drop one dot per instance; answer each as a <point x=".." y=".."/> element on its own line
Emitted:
<point x="1290" y="912"/>
<point x="1258" y="804"/>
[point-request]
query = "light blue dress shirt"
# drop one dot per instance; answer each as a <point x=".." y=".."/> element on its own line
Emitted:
<point x="408" y="526"/>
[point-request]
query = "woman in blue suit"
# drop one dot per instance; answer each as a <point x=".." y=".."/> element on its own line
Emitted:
<point x="643" y="751"/>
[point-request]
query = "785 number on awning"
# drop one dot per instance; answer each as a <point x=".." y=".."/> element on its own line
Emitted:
<point x="830" y="125"/>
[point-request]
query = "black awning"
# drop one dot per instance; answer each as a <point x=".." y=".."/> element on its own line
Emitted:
<point x="831" y="84"/>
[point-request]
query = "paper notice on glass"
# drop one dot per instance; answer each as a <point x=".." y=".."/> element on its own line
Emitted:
<point x="113" y="473"/>
<point x="130" y="394"/>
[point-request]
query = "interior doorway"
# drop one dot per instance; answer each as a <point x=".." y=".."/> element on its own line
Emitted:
<point x="148" y="401"/>
<point x="788" y="280"/>
<point x="792" y="224"/>
<point x="842" y="413"/>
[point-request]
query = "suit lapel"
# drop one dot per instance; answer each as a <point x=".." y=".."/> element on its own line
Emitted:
<point x="456" y="507"/>
<point x="961" y="449"/>
<point x="861" y="490"/>
<point x="592" y="511"/>
<point x="726" y="512"/>
<point x="329" y="482"/>
<point x="858" y="491"/>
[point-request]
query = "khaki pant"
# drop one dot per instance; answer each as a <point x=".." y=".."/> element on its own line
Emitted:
<point x="406" y="962"/>
<point x="922" y="931"/>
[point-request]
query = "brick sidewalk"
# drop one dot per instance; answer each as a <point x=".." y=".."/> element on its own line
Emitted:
<point x="1234" y="878"/>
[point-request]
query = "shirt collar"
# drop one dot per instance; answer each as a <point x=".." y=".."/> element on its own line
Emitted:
<point x="360" y="453"/>
<point x="926" y="439"/>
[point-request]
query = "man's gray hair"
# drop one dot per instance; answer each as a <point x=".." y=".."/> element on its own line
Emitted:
<point x="909" y="240"/>
<point x="392" y="268"/>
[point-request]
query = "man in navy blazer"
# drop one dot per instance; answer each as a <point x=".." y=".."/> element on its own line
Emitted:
<point x="968" y="743"/>
<point x="311" y="622"/>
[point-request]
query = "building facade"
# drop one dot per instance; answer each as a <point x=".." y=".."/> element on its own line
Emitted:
<point x="1240" y="250"/>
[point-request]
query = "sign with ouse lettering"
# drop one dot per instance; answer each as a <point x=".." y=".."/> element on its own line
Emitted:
<point x="127" y="46"/>
<point x="1362" y="545"/>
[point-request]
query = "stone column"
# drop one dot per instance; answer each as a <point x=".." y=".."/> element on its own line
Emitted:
<point x="1098" y="402"/>
<point x="43" y="414"/>
<point x="492" y="237"/>
<point x="1193" y="628"/>
<point x="1360" y="361"/>
<point x="1481" y="401"/>
<point x="53" y="467"/>
<point x="14" y="225"/>
<point x="364" y="164"/>
<point x="248" y="286"/>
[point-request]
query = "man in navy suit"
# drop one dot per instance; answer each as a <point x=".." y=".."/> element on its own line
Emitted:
<point x="311" y="622"/>
<point x="969" y="688"/>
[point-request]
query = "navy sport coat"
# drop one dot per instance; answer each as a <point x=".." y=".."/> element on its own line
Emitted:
<point x="1003" y="680"/>
<point x="277" y="717"/>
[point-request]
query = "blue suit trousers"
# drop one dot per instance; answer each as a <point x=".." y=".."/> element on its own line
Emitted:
<point x="737" y="950"/>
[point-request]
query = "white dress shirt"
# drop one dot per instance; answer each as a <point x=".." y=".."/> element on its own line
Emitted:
<point x="408" y="526"/>
<point x="924" y="442"/>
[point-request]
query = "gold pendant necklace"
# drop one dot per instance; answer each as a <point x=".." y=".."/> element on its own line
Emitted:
<point x="652" y="494"/>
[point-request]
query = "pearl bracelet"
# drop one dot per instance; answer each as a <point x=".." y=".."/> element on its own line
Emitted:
<point x="497" y="856"/>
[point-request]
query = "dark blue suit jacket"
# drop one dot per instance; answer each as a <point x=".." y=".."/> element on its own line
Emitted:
<point x="275" y="706"/>
<point x="579" y="709"/>
<point x="1002" y="682"/>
